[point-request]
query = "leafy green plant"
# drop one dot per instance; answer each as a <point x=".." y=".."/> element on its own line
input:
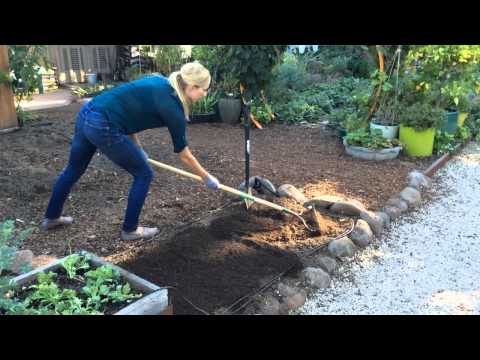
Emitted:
<point x="371" y="140"/>
<point x="261" y="111"/>
<point x="420" y="116"/>
<point x="25" y="117"/>
<point x="290" y="74"/>
<point x="344" y="61"/>
<point x="443" y="143"/>
<point x="26" y="62"/>
<point x="446" y="143"/>
<point x="252" y="65"/>
<point x="73" y="263"/>
<point x="91" y="91"/>
<point x="205" y="105"/>
<point x="169" y="58"/>
<point x="447" y="73"/>
<point x="10" y="241"/>
<point x="473" y="119"/>
<point x="122" y="293"/>
<point x="299" y="109"/>
<point x="102" y="287"/>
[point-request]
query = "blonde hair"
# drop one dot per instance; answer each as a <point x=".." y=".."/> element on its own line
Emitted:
<point x="192" y="73"/>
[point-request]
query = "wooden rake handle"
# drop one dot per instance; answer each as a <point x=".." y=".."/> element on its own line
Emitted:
<point x="228" y="189"/>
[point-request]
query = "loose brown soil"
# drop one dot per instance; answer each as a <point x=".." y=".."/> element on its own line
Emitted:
<point x="213" y="263"/>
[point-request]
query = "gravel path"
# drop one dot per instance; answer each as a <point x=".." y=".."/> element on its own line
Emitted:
<point x="428" y="262"/>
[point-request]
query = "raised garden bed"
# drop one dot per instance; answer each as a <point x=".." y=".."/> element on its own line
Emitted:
<point x="84" y="284"/>
<point x="372" y="154"/>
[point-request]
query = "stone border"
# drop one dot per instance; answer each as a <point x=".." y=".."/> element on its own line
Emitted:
<point x="291" y="293"/>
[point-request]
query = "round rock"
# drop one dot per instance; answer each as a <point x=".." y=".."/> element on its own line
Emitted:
<point x="287" y="190"/>
<point x="326" y="263"/>
<point x="399" y="203"/>
<point x="349" y="207"/>
<point x="384" y="217"/>
<point x="343" y="247"/>
<point x="269" y="306"/>
<point x="324" y="201"/>
<point x="295" y="301"/>
<point x="22" y="261"/>
<point x="418" y="180"/>
<point x="411" y="196"/>
<point x="316" y="277"/>
<point x="374" y="220"/>
<point x="361" y="235"/>
<point x="392" y="211"/>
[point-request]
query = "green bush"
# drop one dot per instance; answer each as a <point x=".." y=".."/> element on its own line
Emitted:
<point x="261" y="111"/>
<point x="420" y="116"/>
<point x="250" y="65"/>
<point x="205" y="105"/>
<point x="169" y="58"/>
<point x="446" y="73"/>
<point x="473" y="119"/>
<point x="344" y="60"/>
<point x="26" y="62"/>
<point x="446" y="143"/>
<point x="299" y="109"/>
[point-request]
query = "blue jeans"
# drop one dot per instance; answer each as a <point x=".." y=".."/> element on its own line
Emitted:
<point x="92" y="132"/>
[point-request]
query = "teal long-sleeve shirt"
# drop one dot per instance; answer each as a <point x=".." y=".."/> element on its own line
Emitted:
<point x="143" y="104"/>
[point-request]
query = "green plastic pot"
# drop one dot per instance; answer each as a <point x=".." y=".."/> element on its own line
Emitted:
<point x="461" y="118"/>
<point x="417" y="143"/>
<point x="450" y="122"/>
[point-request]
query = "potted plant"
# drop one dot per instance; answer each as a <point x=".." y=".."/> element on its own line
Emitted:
<point x="386" y="120"/>
<point x="371" y="145"/>
<point x="205" y="110"/>
<point x="418" y="122"/>
<point x="229" y="104"/>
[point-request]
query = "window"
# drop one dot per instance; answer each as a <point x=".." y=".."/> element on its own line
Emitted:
<point x="95" y="58"/>
<point x="74" y="55"/>
<point x="81" y="59"/>
<point x="65" y="60"/>
<point x="102" y="59"/>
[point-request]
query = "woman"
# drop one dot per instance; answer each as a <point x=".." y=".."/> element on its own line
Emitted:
<point x="110" y="123"/>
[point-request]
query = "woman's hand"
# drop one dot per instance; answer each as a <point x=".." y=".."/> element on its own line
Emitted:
<point x="211" y="182"/>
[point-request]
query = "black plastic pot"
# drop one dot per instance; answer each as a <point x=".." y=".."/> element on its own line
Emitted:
<point x="229" y="110"/>
<point x="212" y="117"/>
<point x="204" y="118"/>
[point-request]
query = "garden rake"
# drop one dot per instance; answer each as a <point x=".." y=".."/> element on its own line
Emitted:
<point x="233" y="191"/>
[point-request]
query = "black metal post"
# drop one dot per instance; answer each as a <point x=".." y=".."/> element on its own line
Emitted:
<point x="246" y="119"/>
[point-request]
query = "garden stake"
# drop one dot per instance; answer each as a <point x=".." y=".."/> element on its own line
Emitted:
<point x="233" y="191"/>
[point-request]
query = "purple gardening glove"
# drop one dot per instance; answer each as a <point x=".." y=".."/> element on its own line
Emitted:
<point x="212" y="182"/>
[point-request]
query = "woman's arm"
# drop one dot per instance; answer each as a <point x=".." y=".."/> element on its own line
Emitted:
<point x="191" y="162"/>
<point x="135" y="139"/>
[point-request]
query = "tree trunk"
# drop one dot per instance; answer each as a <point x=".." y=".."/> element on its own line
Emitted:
<point x="8" y="116"/>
